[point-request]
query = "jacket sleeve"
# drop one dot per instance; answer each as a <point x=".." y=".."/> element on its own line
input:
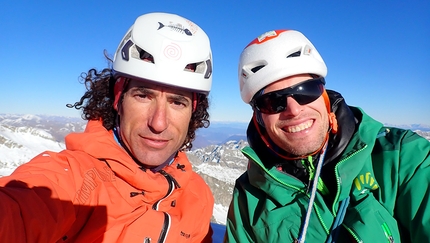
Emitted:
<point x="34" y="207"/>
<point x="238" y="228"/>
<point x="410" y="177"/>
<point x="414" y="191"/>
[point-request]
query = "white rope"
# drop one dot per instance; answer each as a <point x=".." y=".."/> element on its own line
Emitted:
<point x="312" y="198"/>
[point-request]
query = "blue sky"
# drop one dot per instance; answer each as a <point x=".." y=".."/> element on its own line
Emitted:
<point x="377" y="52"/>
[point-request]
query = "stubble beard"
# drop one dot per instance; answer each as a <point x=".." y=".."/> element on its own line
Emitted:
<point x="304" y="147"/>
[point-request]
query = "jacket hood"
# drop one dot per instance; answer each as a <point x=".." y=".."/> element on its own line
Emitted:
<point x="100" y="144"/>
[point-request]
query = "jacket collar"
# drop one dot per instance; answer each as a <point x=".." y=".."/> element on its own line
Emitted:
<point x="99" y="143"/>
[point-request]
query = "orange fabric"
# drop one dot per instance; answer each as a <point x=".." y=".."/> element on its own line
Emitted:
<point x="331" y="116"/>
<point x="266" y="37"/>
<point x="82" y="194"/>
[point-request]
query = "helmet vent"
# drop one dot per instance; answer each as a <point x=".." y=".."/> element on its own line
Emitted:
<point x="257" y="68"/>
<point x="192" y="67"/>
<point x="295" y="54"/>
<point x="200" y="67"/>
<point x="144" y="55"/>
<point x="208" y="72"/>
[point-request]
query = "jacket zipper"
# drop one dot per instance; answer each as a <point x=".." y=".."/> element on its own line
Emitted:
<point x="327" y="230"/>
<point x="387" y="232"/>
<point x="165" y="229"/>
<point x="167" y="220"/>
<point x="336" y="169"/>
<point x="338" y="189"/>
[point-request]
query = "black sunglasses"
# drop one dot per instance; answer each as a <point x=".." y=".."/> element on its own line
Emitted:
<point x="304" y="93"/>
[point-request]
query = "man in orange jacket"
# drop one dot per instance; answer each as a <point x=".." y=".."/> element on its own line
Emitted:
<point x="126" y="178"/>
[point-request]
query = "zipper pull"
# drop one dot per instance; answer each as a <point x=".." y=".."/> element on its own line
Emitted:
<point x="387" y="233"/>
<point x="169" y="177"/>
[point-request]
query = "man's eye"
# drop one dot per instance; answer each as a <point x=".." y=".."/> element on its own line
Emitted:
<point x="178" y="103"/>
<point x="142" y="96"/>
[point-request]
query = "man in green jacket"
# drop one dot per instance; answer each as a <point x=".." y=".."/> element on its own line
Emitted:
<point x="320" y="170"/>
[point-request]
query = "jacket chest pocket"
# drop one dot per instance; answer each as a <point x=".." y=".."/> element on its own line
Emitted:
<point x="284" y="224"/>
<point x="369" y="221"/>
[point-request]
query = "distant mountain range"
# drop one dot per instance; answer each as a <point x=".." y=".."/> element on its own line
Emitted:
<point x="215" y="155"/>
<point x="220" y="132"/>
<point x="413" y="127"/>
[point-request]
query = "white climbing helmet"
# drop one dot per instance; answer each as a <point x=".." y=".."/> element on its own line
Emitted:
<point x="275" y="55"/>
<point x="167" y="49"/>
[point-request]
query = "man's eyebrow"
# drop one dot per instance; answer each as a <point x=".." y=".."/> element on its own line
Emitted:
<point x="142" y="89"/>
<point x="179" y="97"/>
<point x="175" y="96"/>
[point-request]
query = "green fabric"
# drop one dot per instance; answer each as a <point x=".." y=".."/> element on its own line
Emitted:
<point x="386" y="177"/>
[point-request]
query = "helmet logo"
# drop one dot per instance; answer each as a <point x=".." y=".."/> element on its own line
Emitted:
<point x="176" y="27"/>
<point x="268" y="34"/>
<point x="172" y="51"/>
<point x="265" y="37"/>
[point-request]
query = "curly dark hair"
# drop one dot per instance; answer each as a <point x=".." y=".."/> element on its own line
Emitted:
<point x="97" y="103"/>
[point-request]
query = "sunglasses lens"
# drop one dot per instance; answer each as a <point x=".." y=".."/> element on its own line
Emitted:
<point x="276" y="101"/>
<point x="271" y="103"/>
<point x="304" y="99"/>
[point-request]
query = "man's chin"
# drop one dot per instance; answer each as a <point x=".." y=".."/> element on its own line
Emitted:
<point x="301" y="150"/>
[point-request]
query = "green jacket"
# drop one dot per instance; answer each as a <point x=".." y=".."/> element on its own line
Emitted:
<point x="384" y="172"/>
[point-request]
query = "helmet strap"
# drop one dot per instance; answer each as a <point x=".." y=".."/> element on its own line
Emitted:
<point x="120" y="83"/>
<point x="195" y="101"/>
<point x="331" y="116"/>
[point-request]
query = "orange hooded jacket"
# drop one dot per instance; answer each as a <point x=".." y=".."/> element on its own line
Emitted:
<point x="94" y="192"/>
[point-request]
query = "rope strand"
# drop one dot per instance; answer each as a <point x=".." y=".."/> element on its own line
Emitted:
<point x="305" y="226"/>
